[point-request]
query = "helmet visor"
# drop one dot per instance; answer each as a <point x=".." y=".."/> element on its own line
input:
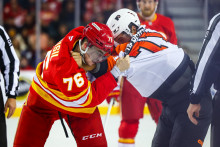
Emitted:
<point x="96" y="55"/>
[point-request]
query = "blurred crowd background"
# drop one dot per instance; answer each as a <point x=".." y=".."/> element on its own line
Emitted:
<point x="58" y="17"/>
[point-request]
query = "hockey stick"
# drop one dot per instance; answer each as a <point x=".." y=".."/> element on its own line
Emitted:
<point x="108" y="112"/>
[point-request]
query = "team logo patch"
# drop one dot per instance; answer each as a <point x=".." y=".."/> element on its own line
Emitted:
<point x="9" y="42"/>
<point x="70" y="38"/>
<point x="110" y="39"/>
<point x="92" y="136"/>
<point x="116" y="30"/>
<point x="117" y="17"/>
<point x="200" y="142"/>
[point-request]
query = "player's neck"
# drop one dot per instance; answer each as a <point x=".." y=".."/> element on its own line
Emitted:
<point x="149" y="18"/>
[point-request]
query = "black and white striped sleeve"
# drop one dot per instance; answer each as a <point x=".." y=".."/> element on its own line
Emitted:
<point x="9" y="63"/>
<point x="208" y="66"/>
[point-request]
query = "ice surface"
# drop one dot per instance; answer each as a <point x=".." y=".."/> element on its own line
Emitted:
<point x="57" y="137"/>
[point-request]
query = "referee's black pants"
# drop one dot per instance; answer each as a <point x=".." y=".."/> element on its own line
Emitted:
<point x="3" y="134"/>
<point x="174" y="128"/>
<point x="215" y="124"/>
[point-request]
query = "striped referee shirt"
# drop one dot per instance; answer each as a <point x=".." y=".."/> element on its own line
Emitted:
<point x="208" y="66"/>
<point x="9" y="63"/>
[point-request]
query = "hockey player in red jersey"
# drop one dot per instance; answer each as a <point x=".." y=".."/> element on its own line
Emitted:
<point x="156" y="21"/>
<point x="129" y="94"/>
<point x="61" y="90"/>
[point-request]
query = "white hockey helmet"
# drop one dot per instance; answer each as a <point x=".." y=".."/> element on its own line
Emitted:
<point x="122" y="21"/>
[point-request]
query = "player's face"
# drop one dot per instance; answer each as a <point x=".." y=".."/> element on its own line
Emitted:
<point x="122" y="38"/>
<point x="95" y="55"/>
<point x="147" y="7"/>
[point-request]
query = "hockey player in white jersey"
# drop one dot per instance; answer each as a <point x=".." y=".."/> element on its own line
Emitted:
<point x="160" y="70"/>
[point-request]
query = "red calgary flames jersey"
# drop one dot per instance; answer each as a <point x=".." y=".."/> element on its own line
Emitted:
<point x="63" y="85"/>
<point x="162" y="24"/>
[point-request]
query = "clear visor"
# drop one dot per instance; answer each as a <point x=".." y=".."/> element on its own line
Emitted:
<point x="95" y="54"/>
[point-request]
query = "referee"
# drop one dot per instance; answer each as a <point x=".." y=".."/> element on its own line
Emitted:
<point x="10" y="70"/>
<point x="208" y="73"/>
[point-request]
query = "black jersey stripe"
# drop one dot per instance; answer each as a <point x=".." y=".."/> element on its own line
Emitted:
<point x="7" y="47"/>
<point x="208" y="36"/>
<point x="204" y="82"/>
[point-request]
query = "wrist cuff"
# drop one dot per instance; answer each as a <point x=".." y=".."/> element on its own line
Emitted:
<point x="194" y="99"/>
<point x="11" y="96"/>
<point x="115" y="72"/>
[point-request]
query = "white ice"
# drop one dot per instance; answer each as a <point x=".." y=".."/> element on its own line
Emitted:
<point x="57" y="137"/>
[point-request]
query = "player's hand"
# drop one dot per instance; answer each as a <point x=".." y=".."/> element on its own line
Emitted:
<point x="193" y="109"/>
<point x="123" y="63"/>
<point x="11" y="105"/>
<point x="77" y="57"/>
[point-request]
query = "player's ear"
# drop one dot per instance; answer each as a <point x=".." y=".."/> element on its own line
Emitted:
<point x="84" y="43"/>
<point x="133" y="29"/>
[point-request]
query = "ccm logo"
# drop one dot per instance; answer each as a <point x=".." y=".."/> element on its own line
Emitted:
<point x="92" y="136"/>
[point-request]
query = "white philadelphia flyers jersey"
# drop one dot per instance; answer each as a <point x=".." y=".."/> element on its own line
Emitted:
<point x="152" y="60"/>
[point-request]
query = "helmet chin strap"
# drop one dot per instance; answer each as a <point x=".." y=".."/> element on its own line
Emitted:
<point x="116" y="43"/>
<point x="82" y="52"/>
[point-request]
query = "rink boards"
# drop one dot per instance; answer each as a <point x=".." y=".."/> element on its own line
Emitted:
<point x="25" y="79"/>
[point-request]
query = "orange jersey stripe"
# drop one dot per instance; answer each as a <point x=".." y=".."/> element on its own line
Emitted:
<point x="153" y="34"/>
<point x="146" y="45"/>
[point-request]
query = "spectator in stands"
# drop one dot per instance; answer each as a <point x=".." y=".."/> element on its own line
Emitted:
<point x="130" y="4"/>
<point x="97" y="7"/>
<point x="46" y="16"/>
<point x="24" y="64"/>
<point x="67" y="16"/>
